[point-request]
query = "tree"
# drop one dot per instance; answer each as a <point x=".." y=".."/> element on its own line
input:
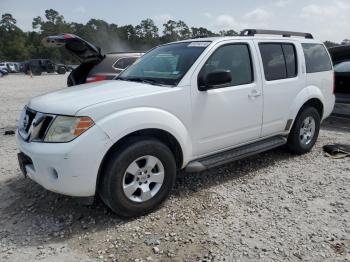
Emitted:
<point x="54" y="24"/>
<point x="174" y="31"/>
<point x="201" y="32"/>
<point x="53" y="16"/>
<point x="169" y="33"/>
<point x="330" y="44"/>
<point x="12" y="40"/>
<point x="345" y="42"/>
<point x="147" y="30"/>
<point x="184" y="31"/>
<point x="228" y="33"/>
<point x="8" y="23"/>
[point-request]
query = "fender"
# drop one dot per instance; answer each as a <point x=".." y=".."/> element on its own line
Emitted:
<point x="303" y="96"/>
<point x="122" y="123"/>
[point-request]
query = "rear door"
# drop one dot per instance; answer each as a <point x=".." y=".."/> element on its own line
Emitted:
<point x="283" y="77"/>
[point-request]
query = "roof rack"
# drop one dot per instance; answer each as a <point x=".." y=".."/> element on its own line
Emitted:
<point x="253" y="32"/>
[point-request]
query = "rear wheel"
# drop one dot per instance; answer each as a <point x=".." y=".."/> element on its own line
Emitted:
<point x="37" y="72"/>
<point x="138" y="177"/>
<point x="305" y="130"/>
<point x="61" y="70"/>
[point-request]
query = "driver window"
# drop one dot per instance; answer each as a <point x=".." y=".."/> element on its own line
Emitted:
<point x="234" y="57"/>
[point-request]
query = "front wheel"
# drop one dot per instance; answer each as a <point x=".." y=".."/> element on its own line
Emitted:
<point x="138" y="177"/>
<point x="305" y="130"/>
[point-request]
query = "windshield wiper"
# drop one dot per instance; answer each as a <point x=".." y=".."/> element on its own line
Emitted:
<point x="142" y="80"/>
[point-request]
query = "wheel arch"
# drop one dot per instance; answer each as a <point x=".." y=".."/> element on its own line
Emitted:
<point x="164" y="136"/>
<point x="310" y="96"/>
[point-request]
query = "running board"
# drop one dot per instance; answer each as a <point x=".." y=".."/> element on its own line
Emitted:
<point x="235" y="154"/>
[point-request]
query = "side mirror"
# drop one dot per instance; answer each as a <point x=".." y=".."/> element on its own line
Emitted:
<point x="214" y="80"/>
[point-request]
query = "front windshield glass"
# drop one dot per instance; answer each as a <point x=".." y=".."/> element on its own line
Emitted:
<point x="342" y="67"/>
<point x="165" y="65"/>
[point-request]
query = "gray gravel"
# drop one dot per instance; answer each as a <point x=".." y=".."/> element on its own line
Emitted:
<point x="272" y="207"/>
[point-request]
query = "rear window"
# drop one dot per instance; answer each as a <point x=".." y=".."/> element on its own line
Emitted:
<point x="316" y="58"/>
<point x="123" y="63"/>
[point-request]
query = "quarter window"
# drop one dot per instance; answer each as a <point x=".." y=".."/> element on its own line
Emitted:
<point x="316" y="58"/>
<point x="234" y="57"/>
<point x="279" y="61"/>
<point x="123" y="63"/>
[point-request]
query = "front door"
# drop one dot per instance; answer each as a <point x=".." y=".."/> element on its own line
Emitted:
<point x="228" y="115"/>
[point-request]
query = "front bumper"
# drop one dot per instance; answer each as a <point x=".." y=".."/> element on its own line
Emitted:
<point x="67" y="168"/>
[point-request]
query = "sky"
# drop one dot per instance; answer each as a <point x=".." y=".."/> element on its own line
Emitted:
<point x="326" y="19"/>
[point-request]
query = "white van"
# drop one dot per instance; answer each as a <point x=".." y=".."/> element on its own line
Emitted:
<point x="192" y="105"/>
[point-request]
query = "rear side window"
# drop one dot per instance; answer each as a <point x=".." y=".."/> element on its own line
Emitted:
<point x="123" y="63"/>
<point x="233" y="57"/>
<point x="316" y="58"/>
<point x="279" y="61"/>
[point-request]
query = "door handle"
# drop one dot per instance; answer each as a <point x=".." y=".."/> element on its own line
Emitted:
<point x="254" y="94"/>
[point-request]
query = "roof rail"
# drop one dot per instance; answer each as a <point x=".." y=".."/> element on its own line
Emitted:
<point x="253" y="32"/>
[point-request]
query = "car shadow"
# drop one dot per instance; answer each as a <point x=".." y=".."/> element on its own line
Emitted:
<point x="337" y="124"/>
<point x="33" y="215"/>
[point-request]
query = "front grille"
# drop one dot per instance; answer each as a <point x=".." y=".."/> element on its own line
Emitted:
<point x="34" y="125"/>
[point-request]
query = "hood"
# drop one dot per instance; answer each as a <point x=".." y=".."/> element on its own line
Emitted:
<point x="340" y="53"/>
<point x="82" y="49"/>
<point x="69" y="101"/>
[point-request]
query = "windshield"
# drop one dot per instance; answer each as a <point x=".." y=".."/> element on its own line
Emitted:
<point x="165" y="65"/>
<point x="342" y="67"/>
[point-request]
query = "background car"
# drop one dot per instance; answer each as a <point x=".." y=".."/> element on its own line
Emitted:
<point x="38" y="66"/>
<point x="9" y="67"/>
<point x="94" y="66"/>
<point x="3" y="72"/>
<point x="341" y="61"/>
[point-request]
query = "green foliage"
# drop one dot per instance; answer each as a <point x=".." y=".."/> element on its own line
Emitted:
<point x="330" y="44"/>
<point x="16" y="45"/>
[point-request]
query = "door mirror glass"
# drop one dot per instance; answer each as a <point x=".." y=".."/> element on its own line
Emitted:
<point x="215" y="79"/>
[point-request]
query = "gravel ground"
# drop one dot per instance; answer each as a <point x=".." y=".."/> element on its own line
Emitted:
<point x="271" y="207"/>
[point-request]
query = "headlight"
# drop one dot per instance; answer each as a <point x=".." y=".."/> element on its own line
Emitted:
<point x="67" y="128"/>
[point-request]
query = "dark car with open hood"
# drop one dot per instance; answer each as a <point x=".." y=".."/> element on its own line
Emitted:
<point x="95" y="66"/>
<point x="341" y="61"/>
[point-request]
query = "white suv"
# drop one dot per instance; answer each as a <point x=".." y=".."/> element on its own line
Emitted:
<point x="191" y="105"/>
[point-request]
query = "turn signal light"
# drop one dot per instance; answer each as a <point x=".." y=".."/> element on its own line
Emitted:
<point x="84" y="124"/>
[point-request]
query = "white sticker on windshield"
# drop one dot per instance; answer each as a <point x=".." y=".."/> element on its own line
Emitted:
<point x="199" y="44"/>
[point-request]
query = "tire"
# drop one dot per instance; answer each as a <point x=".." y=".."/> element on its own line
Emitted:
<point x="303" y="136"/>
<point x="37" y="72"/>
<point x="115" y="177"/>
<point x="61" y="70"/>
